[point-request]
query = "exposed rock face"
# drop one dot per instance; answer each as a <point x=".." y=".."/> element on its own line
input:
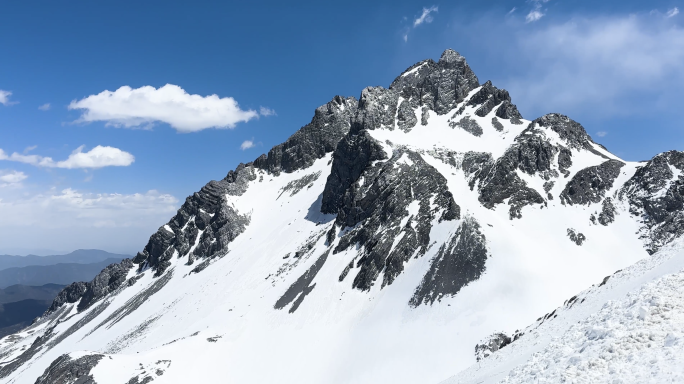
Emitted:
<point x="457" y="263"/>
<point x="576" y="237"/>
<point x="392" y="201"/>
<point x="67" y="370"/>
<point x="468" y="125"/>
<point x="329" y="124"/>
<point x="533" y="153"/>
<point x="656" y="193"/>
<point x="607" y="214"/>
<point x="439" y="86"/>
<point x="491" y="344"/>
<point x="353" y="154"/>
<point x="490" y="97"/>
<point x="110" y="279"/>
<point x="591" y="184"/>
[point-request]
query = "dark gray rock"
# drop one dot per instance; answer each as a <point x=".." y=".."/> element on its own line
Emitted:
<point x="351" y="157"/>
<point x="656" y="195"/>
<point x="299" y="289"/>
<point x="607" y="214"/>
<point x="576" y="237"/>
<point x="497" y="124"/>
<point x="490" y="97"/>
<point x="439" y="86"/>
<point x="591" y="184"/>
<point x="313" y="141"/>
<point x="491" y="344"/>
<point x="67" y="370"/>
<point x="375" y="209"/>
<point x="469" y="125"/>
<point x="457" y="263"/>
<point x="110" y="279"/>
<point x="406" y="117"/>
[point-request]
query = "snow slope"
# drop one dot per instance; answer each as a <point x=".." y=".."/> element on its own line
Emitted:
<point x="629" y="329"/>
<point x="284" y="293"/>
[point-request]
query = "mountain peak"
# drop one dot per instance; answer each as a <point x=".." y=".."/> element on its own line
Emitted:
<point x="451" y="56"/>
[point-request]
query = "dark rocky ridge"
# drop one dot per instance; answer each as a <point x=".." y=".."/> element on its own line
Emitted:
<point x="656" y="194"/>
<point x="458" y="262"/>
<point x="376" y="207"/>
<point x="591" y="184"/>
<point x="67" y="370"/>
<point x="532" y="153"/>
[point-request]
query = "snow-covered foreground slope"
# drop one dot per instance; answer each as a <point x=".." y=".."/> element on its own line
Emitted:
<point x="629" y="329"/>
<point x="380" y="243"/>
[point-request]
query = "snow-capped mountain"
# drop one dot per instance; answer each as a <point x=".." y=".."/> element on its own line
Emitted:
<point x="381" y="242"/>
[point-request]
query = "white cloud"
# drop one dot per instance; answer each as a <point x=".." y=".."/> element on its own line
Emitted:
<point x="71" y="219"/>
<point x="599" y="61"/>
<point x="247" y="144"/>
<point x="11" y="178"/>
<point x="4" y="97"/>
<point x="44" y="107"/>
<point x="533" y="16"/>
<point x="601" y="133"/>
<point x="140" y="107"/>
<point x="536" y="12"/>
<point x="672" y="12"/>
<point x="263" y="111"/>
<point x="97" y="157"/>
<point x="512" y="10"/>
<point x="426" y="16"/>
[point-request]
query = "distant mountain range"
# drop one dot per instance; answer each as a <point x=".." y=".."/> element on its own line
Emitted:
<point x="80" y="256"/>
<point x="20" y="304"/>
<point x="63" y="273"/>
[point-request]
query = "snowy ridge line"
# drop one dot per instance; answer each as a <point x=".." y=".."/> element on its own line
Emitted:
<point x="526" y="358"/>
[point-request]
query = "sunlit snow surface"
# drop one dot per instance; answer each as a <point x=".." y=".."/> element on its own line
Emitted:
<point x="220" y="325"/>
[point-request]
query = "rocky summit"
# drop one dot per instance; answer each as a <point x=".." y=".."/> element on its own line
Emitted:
<point x="398" y="237"/>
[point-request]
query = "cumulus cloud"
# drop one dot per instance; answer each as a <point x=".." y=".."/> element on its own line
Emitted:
<point x="672" y="12"/>
<point x="97" y="157"/>
<point x="140" y="107"/>
<point x="247" y="144"/>
<point x="4" y="97"/>
<point x="11" y="178"/>
<point x="69" y="219"/>
<point x="263" y="111"/>
<point x="44" y="107"/>
<point x="425" y="17"/>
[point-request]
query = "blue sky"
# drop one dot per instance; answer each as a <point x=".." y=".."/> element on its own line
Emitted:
<point x="86" y="163"/>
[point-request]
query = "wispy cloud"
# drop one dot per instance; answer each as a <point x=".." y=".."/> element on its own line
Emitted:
<point x="97" y="157"/>
<point x="536" y="12"/>
<point x="533" y="16"/>
<point x="140" y="107"/>
<point x="11" y="178"/>
<point x="247" y="144"/>
<point x="672" y="12"/>
<point x="601" y="133"/>
<point x="512" y="10"/>
<point x="4" y="97"/>
<point x="426" y="16"/>
<point x="44" y="107"/>
<point x="264" y="111"/>
<point x="597" y="61"/>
